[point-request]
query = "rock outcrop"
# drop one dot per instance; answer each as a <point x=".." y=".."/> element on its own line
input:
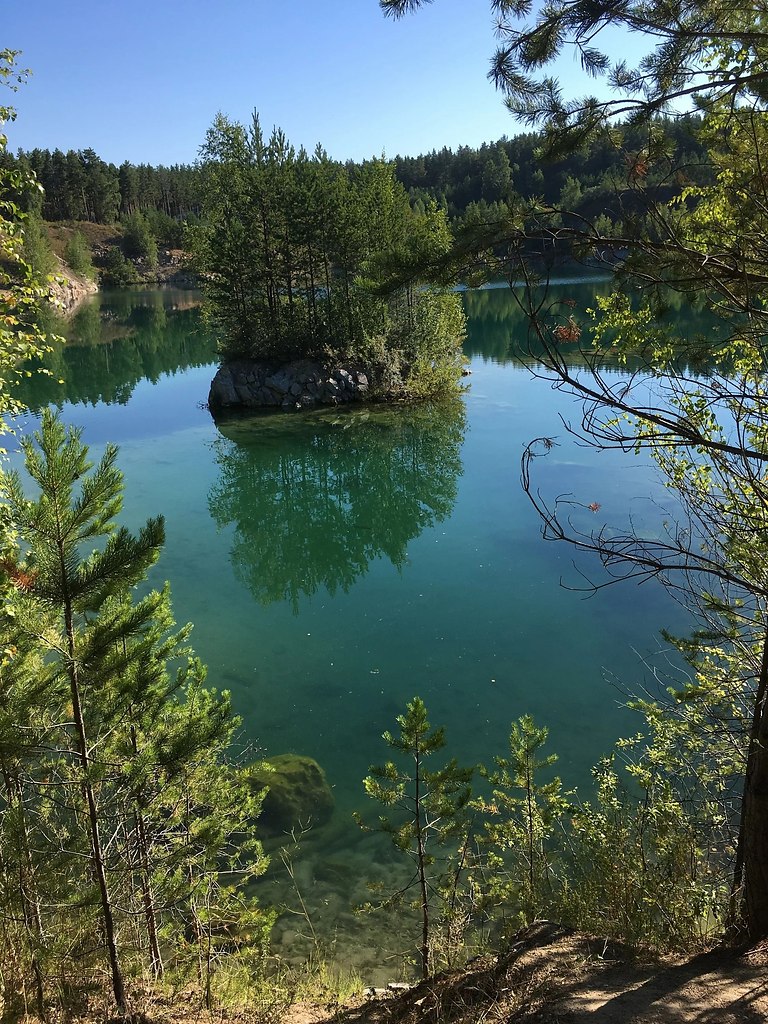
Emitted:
<point x="67" y="291"/>
<point x="253" y="384"/>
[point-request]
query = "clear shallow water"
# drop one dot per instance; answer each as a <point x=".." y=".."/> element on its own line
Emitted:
<point x="335" y="564"/>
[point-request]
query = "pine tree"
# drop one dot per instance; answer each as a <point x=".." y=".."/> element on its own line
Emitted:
<point x="523" y="812"/>
<point x="77" y="255"/>
<point x="56" y="526"/>
<point x="429" y="806"/>
<point x="142" y="805"/>
<point x="138" y="240"/>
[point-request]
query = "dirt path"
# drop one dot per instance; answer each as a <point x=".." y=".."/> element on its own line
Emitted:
<point x="552" y="976"/>
<point x="707" y="989"/>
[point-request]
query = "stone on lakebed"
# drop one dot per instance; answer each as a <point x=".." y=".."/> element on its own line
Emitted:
<point x="299" y="794"/>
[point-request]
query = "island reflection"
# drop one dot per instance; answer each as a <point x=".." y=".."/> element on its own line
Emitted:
<point x="316" y="498"/>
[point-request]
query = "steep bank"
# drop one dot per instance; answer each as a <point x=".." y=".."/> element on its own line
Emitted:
<point x="67" y="290"/>
<point x="170" y="269"/>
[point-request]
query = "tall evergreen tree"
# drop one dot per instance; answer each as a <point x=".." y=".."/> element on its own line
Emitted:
<point x="142" y="791"/>
<point x="56" y="526"/>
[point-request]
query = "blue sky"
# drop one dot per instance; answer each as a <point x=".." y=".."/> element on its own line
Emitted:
<point x="143" y="81"/>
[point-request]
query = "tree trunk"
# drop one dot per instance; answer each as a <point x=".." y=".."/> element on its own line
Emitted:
<point x="150" y="916"/>
<point x="155" y="956"/>
<point x="421" y="860"/>
<point x="97" y="854"/>
<point x="33" y="921"/>
<point x="529" y="909"/>
<point x="749" y="897"/>
<point x="312" y="296"/>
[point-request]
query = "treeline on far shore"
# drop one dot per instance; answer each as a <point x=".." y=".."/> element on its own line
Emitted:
<point x="80" y="186"/>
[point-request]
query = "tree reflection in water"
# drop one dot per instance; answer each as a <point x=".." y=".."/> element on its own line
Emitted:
<point x="115" y="341"/>
<point x="316" y="498"/>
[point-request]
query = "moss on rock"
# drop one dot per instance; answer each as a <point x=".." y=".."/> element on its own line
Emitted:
<point x="298" y="793"/>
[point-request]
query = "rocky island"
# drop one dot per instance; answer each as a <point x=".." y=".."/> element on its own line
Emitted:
<point x="324" y="300"/>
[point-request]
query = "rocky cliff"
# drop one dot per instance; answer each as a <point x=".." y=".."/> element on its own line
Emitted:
<point x="67" y="290"/>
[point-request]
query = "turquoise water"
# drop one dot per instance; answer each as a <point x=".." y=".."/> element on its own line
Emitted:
<point x="335" y="564"/>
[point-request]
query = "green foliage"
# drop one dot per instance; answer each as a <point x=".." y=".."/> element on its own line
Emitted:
<point x="21" y="287"/>
<point x="166" y="230"/>
<point x="522" y="814"/>
<point x="139" y="242"/>
<point x="426" y="811"/>
<point x="453" y="180"/>
<point x="644" y="860"/>
<point x="78" y="256"/>
<point x="293" y="250"/>
<point x="638" y="864"/>
<point x="128" y="827"/>
<point x="80" y="186"/>
<point x="118" y="272"/>
<point x="37" y="247"/>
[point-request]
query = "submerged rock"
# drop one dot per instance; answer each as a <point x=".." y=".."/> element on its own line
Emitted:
<point x="299" y="794"/>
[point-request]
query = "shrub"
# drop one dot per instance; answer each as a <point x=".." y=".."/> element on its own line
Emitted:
<point x="118" y="272"/>
<point x="138" y="240"/>
<point x="78" y="256"/>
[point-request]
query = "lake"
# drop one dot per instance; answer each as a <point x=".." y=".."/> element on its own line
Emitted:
<point x="337" y="563"/>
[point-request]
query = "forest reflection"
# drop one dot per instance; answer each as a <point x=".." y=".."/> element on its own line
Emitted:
<point x="498" y="328"/>
<point x="116" y="340"/>
<point x="316" y="499"/>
